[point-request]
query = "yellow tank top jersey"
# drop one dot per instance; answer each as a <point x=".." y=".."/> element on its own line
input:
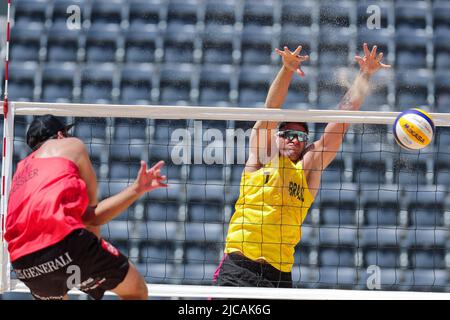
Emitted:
<point x="269" y="212"/>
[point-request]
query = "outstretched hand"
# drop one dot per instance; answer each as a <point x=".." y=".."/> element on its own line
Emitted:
<point x="151" y="179"/>
<point x="293" y="60"/>
<point x="371" y="62"/>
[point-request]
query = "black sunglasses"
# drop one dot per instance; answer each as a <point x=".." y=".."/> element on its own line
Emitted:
<point x="291" y="134"/>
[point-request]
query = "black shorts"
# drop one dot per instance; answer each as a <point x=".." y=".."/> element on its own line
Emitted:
<point x="238" y="271"/>
<point x="80" y="260"/>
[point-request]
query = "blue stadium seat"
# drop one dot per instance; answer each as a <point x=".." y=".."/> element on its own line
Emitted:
<point x="427" y="258"/>
<point x="336" y="236"/>
<point x="442" y="48"/>
<point x="382" y="38"/>
<point x="106" y="12"/>
<point x="120" y="170"/>
<point x="441" y="12"/>
<point x="197" y="274"/>
<point x="337" y="256"/>
<point x="203" y="232"/>
<point x="60" y="14"/>
<point x="376" y="236"/>
<point x="30" y="11"/>
<point x="412" y="91"/>
<point x="170" y="194"/>
<point x="334" y="46"/>
<point x="426" y="280"/>
<point x="58" y="82"/>
<point x="427" y="237"/>
<point x="294" y="13"/>
<point x="62" y="44"/>
<point x="411" y="49"/>
<point x="22" y="81"/>
<point x="175" y="83"/>
<point x="202" y="193"/>
<point x="202" y="254"/>
<point x="205" y="212"/>
<point x="209" y="174"/>
<point x="160" y="152"/>
<point x="335" y="14"/>
<point x="382" y="211"/>
<point x="443" y="176"/>
<point x="391" y="278"/>
<point x="218" y="44"/>
<point x="409" y="174"/>
<point x="159" y="231"/>
<point x="102" y="43"/>
<point x="259" y="12"/>
<point x="369" y="172"/>
<point x="330" y="92"/>
<point x="97" y="83"/>
<point x="302" y="255"/>
<point x="236" y="174"/>
<point x="117" y="231"/>
<point x="164" y="129"/>
<point x="215" y="84"/>
<point x="334" y="173"/>
<point x="257" y="45"/>
<point x="179" y="44"/>
<point x="254" y="83"/>
<point x="366" y="19"/>
<point x="156" y="272"/>
<point x="442" y="91"/>
<point x="338" y="204"/>
<point x="156" y="252"/>
<point x="136" y="84"/>
<point x="90" y="130"/>
<point x="220" y="12"/>
<point x="342" y="277"/>
<point x="411" y="15"/>
<point x="182" y="12"/>
<point x="128" y="152"/>
<point x="162" y="211"/>
<point x="27" y="42"/>
<point x="292" y="37"/>
<point x="141" y="44"/>
<point x="145" y="12"/>
<point x="382" y="257"/>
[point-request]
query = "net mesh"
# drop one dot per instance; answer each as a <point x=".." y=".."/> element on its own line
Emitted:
<point x="380" y="220"/>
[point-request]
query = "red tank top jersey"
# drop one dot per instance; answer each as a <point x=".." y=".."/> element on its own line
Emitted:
<point x="46" y="203"/>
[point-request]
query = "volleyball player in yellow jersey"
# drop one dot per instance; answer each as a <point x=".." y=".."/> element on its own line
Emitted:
<point x="280" y="181"/>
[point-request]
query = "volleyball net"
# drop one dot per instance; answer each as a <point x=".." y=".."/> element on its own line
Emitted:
<point x="380" y="221"/>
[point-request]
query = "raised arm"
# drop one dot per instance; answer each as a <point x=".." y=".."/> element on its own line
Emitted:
<point x="108" y="209"/>
<point x="263" y="131"/>
<point x="325" y="149"/>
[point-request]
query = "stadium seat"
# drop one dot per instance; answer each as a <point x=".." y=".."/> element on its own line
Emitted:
<point x="329" y="92"/>
<point x="426" y="280"/>
<point x="175" y="83"/>
<point x="338" y="204"/>
<point x="102" y="43"/>
<point x="254" y="83"/>
<point x="91" y="130"/>
<point x="162" y="210"/>
<point x="292" y="37"/>
<point x="145" y="12"/>
<point x="142" y="45"/>
<point x="442" y="91"/>
<point x="295" y="14"/>
<point x="218" y="44"/>
<point x="441" y="12"/>
<point x="202" y="193"/>
<point x="170" y="194"/>
<point x="369" y="172"/>
<point x="442" y="48"/>
<point x="30" y="11"/>
<point x="60" y="14"/>
<point x="62" y="44"/>
<point x="182" y="12"/>
<point x="442" y="175"/>
<point x="427" y="237"/>
<point x="159" y="231"/>
<point x="374" y="237"/>
<point x="120" y="170"/>
<point x="257" y="45"/>
<point x="97" y="83"/>
<point x="427" y="258"/>
<point x="179" y="44"/>
<point x="203" y="232"/>
<point x="335" y="236"/>
<point x="206" y="174"/>
<point x="411" y="49"/>
<point x="302" y="255"/>
<point x="205" y="212"/>
<point x="382" y="257"/>
<point x="390" y="278"/>
<point x="215" y="84"/>
<point x="164" y="129"/>
<point x="117" y="230"/>
<point x="156" y="272"/>
<point x="411" y="15"/>
<point x="236" y="174"/>
<point x="27" y="42"/>
<point x="259" y="12"/>
<point x="412" y="91"/>
<point x="136" y="83"/>
<point x="22" y="81"/>
<point x="106" y="12"/>
<point x="337" y="257"/>
<point x="198" y="274"/>
<point x="365" y="19"/>
<point x="334" y="173"/>
<point x="220" y="12"/>
<point x="334" y="47"/>
<point x="58" y="82"/>
<point x="342" y="277"/>
<point x="160" y="152"/>
<point x="156" y="252"/>
<point x="193" y="253"/>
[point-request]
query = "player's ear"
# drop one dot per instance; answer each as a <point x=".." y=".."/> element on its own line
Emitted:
<point x="61" y="135"/>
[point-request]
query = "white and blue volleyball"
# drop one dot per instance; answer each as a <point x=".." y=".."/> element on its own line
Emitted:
<point x="413" y="129"/>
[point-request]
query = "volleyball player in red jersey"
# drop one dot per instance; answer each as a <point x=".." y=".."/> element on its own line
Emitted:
<point x="53" y="205"/>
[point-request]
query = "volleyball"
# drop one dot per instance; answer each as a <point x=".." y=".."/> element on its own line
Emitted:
<point x="413" y="129"/>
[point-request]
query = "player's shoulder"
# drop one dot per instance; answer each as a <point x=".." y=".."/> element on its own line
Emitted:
<point x="73" y="143"/>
